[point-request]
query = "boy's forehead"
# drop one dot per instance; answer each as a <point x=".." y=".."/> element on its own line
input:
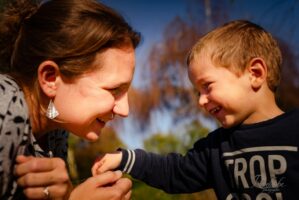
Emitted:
<point x="197" y="68"/>
<point x="201" y="59"/>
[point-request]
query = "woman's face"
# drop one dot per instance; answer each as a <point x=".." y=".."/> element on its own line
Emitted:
<point x="87" y="104"/>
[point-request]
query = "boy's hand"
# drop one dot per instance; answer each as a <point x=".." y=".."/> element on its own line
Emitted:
<point x="106" y="162"/>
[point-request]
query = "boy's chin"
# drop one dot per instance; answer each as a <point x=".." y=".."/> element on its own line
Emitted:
<point x="226" y="124"/>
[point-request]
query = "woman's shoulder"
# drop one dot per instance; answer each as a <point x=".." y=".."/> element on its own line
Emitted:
<point x="8" y="84"/>
<point x="12" y="98"/>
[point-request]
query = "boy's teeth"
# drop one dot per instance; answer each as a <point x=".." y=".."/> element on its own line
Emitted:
<point x="100" y="120"/>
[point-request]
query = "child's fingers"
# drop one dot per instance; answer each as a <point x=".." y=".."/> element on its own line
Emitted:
<point x="94" y="169"/>
<point x="99" y="158"/>
<point x="97" y="164"/>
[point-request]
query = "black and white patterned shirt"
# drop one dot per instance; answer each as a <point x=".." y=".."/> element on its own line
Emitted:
<point x="16" y="137"/>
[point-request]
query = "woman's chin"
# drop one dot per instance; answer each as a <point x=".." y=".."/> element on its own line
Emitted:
<point x="92" y="136"/>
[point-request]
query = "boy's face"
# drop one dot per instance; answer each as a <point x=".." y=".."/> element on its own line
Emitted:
<point x="224" y="95"/>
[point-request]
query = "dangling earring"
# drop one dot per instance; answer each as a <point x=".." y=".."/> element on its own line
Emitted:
<point x="51" y="110"/>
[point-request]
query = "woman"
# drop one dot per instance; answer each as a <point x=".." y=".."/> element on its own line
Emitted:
<point x="68" y="66"/>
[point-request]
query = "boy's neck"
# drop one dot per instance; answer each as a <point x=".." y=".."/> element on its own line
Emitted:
<point x="266" y="109"/>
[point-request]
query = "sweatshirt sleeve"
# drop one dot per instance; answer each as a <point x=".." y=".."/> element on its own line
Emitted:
<point x="173" y="173"/>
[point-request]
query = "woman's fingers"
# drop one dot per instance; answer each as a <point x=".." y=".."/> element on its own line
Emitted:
<point x="128" y="195"/>
<point x="124" y="184"/>
<point x="120" y="190"/>
<point x="41" y="172"/>
<point x="42" y="178"/>
<point x="48" y="192"/>
<point x="107" y="178"/>
<point x="22" y="158"/>
<point x="29" y="164"/>
<point x="106" y="186"/>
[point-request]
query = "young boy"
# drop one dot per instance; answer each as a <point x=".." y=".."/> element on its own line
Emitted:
<point x="254" y="155"/>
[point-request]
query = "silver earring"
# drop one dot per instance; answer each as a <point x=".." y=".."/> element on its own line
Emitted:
<point x="51" y="111"/>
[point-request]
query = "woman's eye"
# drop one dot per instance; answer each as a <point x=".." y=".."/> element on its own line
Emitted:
<point x="116" y="92"/>
<point x="196" y="92"/>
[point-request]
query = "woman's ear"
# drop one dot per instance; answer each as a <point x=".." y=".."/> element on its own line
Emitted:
<point x="48" y="75"/>
<point x="257" y="69"/>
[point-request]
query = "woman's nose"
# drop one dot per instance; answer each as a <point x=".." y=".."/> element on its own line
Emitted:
<point x="121" y="107"/>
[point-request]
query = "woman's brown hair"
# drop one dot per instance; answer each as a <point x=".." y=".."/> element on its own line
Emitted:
<point x="68" y="32"/>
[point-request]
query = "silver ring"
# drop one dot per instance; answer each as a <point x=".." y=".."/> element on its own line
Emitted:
<point x="46" y="193"/>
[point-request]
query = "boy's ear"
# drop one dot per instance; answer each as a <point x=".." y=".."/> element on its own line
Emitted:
<point x="48" y="76"/>
<point x="257" y="69"/>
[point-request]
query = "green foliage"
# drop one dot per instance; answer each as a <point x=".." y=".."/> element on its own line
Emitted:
<point x="194" y="131"/>
<point x="1" y="5"/>
<point x="179" y="142"/>
<point x="162" y="143"/>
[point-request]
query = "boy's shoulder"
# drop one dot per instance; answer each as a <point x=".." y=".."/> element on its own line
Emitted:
<point x="284" y="121"/>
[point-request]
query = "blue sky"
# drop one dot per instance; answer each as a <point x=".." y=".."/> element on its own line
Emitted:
<point x="150" y="17"/>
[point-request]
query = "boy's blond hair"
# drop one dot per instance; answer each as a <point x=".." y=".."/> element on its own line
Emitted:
<point x="236" y="43"/>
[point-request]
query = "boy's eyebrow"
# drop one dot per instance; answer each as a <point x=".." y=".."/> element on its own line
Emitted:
<point x="201" y="79"/>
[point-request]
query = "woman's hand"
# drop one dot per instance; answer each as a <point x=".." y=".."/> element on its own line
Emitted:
<point x="106" y="186"/>
<point x="39" y="175"/>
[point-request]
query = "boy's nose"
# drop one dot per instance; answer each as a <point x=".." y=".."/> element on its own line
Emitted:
<point x="121" y="107"/>
<point x="202" y="100"/>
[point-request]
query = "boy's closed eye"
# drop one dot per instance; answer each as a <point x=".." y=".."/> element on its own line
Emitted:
<point x="204" y="88"/>
<point x="206" y="85"/>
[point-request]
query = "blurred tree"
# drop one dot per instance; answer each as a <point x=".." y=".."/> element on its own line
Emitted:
<point x="2" y="3"/>
<point x="176" y="142"/>
<point x="288" y="95"/>
<point x="169" y="88"/>
<point x="162" y="143"/>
